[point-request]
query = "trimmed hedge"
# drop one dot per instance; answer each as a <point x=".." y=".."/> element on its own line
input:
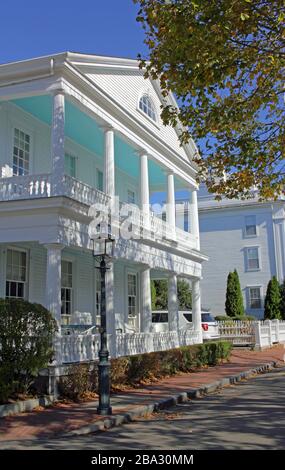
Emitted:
<point x="134" y="370"/>
<point x="26" y="332"/>
<point x="243" y="318"/>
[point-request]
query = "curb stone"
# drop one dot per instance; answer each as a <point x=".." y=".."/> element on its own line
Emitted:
<point x="169" y="402"/>
<point x="25" y="405"/>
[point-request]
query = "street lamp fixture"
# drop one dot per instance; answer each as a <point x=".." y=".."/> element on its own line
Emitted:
<point x="103" y="248"/>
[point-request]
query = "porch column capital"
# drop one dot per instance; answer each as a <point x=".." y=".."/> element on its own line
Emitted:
<point x="106" y="127"/>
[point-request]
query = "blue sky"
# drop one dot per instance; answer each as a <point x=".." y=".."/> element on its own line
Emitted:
<point x="31" y="28"/>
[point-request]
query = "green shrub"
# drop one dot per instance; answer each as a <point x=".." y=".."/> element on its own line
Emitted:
<point x="142" y="368"/>
<point x="26" y="332"/>
<point x="272" y="301"/>
<point x="234" y="300"/>
<point x="76" y="383"/>
<point x="155" y="365"/>
<point x="241" y="318"/>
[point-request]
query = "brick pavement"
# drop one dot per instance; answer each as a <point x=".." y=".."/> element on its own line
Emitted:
<point x="62" y="418"/>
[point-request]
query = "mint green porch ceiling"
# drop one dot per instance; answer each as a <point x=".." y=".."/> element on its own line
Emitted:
<point x="84" y="130"/>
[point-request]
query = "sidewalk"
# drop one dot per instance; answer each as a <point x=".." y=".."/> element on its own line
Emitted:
<point x="64" y="418"/>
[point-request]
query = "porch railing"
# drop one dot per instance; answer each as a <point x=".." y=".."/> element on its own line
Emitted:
<point x="80" y="347"/>
<point x="43" y="185"/>
<point x="237" y="332"/>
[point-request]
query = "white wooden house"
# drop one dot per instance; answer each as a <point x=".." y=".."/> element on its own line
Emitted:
<point x="76" y="130"/>
<point x="247" y="235"/>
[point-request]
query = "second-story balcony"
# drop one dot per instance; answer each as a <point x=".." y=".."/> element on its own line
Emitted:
<point x="41" y="186"/>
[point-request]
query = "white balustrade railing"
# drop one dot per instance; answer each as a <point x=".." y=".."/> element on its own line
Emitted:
<point x="84" y="193"/>
<point x="35" y="186"/>
<point x="79" y="348"/>
<point x="25" y="187"/>
<point x="85" y="347"/>
<point x="42" y="185"/>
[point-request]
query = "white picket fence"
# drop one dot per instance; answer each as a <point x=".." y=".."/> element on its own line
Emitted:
<point x="85" y="347"/>
<point x="260" y="334"/>
<point x="237" y="332"/>
<point x="269" y="332"/>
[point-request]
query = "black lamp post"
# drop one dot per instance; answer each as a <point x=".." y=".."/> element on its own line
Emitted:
<point x="102" y="252"/>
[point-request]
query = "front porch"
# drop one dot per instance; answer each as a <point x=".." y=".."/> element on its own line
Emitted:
<point x="65" y="280"/>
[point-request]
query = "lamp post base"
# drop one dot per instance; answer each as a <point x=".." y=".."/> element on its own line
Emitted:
<point x="104" y="411"/>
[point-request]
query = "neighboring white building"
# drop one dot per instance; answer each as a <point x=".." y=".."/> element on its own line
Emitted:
<point x="246" y="235"/>
<point x="76" y="130"/>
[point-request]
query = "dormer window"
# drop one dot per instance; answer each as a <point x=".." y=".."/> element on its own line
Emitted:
<point x="146" y="106"/>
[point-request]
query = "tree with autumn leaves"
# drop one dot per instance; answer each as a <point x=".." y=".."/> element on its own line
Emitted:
<point x="224" y="60"/>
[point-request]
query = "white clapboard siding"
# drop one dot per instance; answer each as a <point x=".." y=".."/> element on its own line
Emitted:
<point x="125" y="87"/>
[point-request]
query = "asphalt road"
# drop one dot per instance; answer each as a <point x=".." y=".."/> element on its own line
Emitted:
<point x="249" y="415"/>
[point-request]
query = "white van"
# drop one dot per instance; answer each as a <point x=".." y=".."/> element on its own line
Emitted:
<point x="210" y="326"/>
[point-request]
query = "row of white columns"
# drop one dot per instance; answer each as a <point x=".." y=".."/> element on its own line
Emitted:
<point x="57" y="146"/>
<point x="53" y="275"/>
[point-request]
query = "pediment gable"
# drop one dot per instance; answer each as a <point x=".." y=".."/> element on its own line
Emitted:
<point x="123" y="81"/>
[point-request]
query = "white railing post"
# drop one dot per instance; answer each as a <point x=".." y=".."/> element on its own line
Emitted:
<point x="270" y="333"/>
<point x="257" y="333"/>
<point x="277" y="331"/>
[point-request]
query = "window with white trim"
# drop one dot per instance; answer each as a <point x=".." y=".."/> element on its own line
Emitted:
<point x="100" y="179"/>
<point x="66" y="287"/>
<point x="16" y="274"/>
<point x="21" y="153"/>
<point x="254" y="297"/>
<point x="250" y="226"/>
<point x="252" y="258"/>
<point x="70" y="165"/>
<point x="146" y="106"/>
<point x="131" y="197"/>
<point x="132" y="295"/>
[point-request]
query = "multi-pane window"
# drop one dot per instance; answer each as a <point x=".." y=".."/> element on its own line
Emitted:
<point x="66" y="287"/>
<point x="21" y="153"/>
<point x="132" y="295"/>
<point x="252" y="258"/>
<point x="70" y="165"/>
<point x="131" y="197"/>
<point x="146" y="105"/>
<point x="100" y="180"/>
<point x="16" y="274"/>
<point x="254" y="297"/>
<point x="250" y="226"/>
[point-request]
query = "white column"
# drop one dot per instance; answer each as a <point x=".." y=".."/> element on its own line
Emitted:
<point x="110" y="310"/>
<point x="173" y="320"/>
<point x="146" y="311"/>
<point x="144" y="188"/>
<point x="109" y="162"/>
<point x="196" y="307"/>
<point x="194" y="218"/>
<point x="53" y="280"/>
<point x="57" y="142"/>
<point x="170" y="208"/>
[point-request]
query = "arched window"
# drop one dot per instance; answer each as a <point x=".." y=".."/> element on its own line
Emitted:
<point x="146" y="106"/>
